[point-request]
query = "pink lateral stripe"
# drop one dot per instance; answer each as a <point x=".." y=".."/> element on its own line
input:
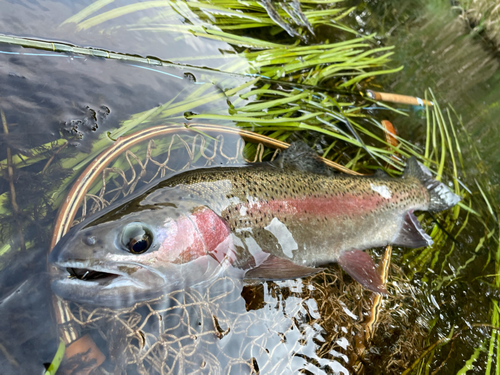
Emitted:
<point x="329" y="206"/>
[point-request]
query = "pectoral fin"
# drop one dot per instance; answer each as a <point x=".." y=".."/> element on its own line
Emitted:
<point x="275" y="268"/>
<point x="359" y="265"/>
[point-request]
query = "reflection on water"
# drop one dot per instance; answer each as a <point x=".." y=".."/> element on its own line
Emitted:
<point x="29" y="338"/>
<point x="439" y="51"/>
<point x="45" y="20"/>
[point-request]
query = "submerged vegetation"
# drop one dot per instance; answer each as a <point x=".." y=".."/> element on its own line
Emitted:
<point x="483" y="17"/>
<point x="300" y="72"/>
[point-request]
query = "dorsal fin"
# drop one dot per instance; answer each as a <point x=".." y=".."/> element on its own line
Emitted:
<point x="416" y="169"/>
<point x="300" y="156"/>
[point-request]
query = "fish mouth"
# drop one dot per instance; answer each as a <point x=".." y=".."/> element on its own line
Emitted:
<point x="106" y="283"/>
<point x="83" y="272"/>
<point x="86" y="274"/>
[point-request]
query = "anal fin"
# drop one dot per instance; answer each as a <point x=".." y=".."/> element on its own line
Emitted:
<point x="275" y="268"/>
<point x="411" y="233"/>
<point x="359" y="265"/>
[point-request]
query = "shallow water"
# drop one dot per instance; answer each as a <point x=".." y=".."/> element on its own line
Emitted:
<point x="47" y="95"/>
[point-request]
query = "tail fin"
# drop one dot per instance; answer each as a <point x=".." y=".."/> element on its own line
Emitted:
<point x="441" y="196"/>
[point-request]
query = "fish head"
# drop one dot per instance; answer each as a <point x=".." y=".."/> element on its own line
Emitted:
<point x="118" y="259"/>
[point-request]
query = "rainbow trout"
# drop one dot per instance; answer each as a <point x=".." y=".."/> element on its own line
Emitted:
<point x="265" y="221"/>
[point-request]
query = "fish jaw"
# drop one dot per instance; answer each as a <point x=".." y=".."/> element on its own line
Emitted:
<point x="105" y="283"/>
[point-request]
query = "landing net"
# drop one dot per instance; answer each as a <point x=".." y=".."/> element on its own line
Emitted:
<point x="313" y="325"/>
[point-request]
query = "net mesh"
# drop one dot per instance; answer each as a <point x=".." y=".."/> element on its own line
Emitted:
<point x="313" y="325"/>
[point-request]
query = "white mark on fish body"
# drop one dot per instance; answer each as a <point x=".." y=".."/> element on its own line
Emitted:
<point x="284" y="237"/>
<point x="253" y="202"/>
<point x="243" y="211"/>
<point x="382" y="190"/>
<point x="252" y="246"/>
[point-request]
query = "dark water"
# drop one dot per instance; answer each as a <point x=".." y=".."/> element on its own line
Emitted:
<point x="439" y="50"/>
<point x="46" y="96"/>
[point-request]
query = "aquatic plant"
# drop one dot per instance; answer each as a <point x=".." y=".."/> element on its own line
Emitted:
<point x="441" y="267"/>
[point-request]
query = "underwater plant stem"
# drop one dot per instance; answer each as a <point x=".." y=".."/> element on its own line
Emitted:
<point x="444" y="362"/>
<point x="469" y="364"/>
<point x="428" y="131"/>
<point x="58" y="357"/>
<point x="53" y="156"/>
<point x="10" y="172"/>
<point x="444" y="341"/>
<point x="495" y="320"/>
<point x="371" y="322"/>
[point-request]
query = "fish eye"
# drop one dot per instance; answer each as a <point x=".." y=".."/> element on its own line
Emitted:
<point x="136" y="238"/>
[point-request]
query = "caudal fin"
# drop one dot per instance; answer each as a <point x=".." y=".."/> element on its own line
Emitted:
<point x="442" y="197"/>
